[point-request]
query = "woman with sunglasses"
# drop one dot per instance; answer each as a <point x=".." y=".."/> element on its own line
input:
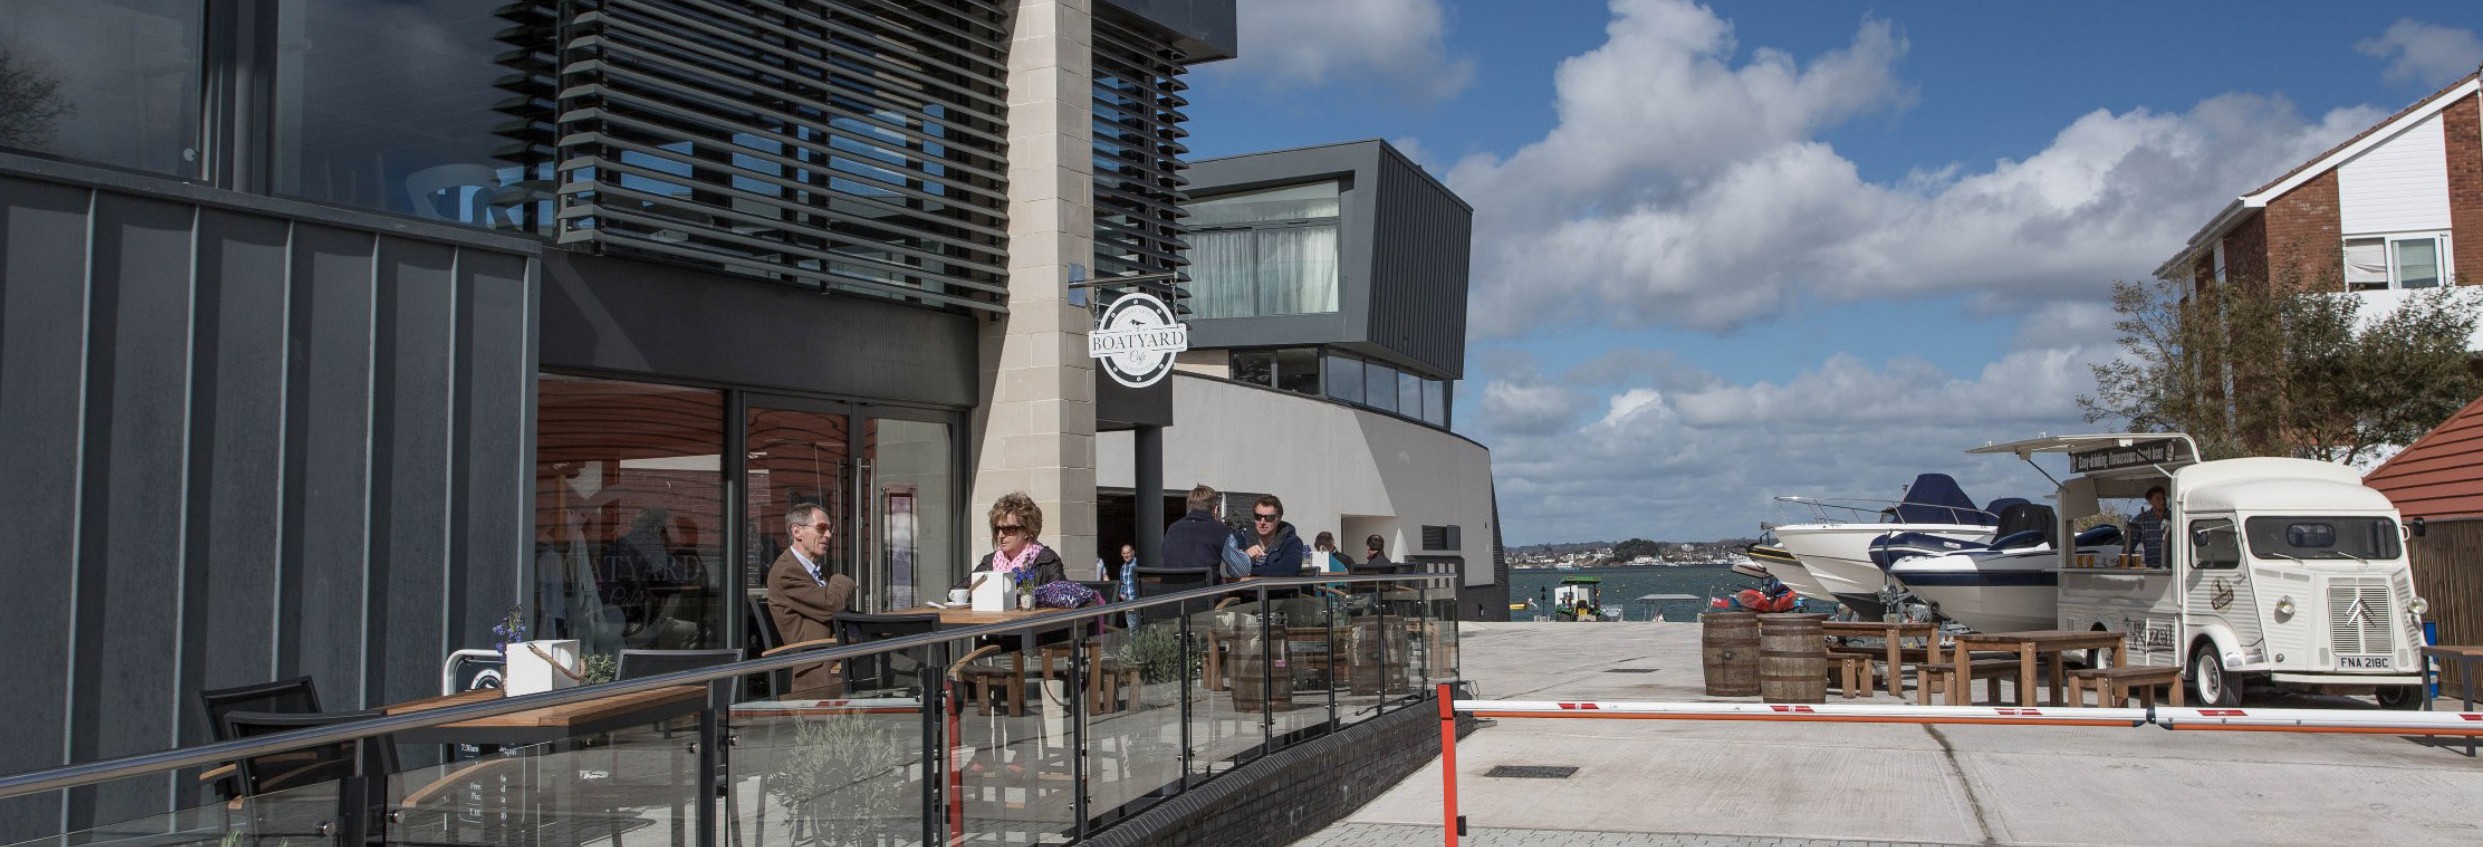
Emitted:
<point x="1015" y="521"/>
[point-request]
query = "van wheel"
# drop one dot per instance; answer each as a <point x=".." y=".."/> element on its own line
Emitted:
<point x="2207" y="678"/>
<point x="2405" y="697"/>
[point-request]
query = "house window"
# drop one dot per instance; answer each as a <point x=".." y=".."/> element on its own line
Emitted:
<point x="1271" y="252"/>
<point x="1345" y="378"/>
<point x="2377" y="263"/>
<point x="109" y="81"/>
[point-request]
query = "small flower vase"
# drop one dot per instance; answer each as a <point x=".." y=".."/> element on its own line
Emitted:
<point x="535" y="667"/>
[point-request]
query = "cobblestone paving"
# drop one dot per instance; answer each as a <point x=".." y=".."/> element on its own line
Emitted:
<point x="1409" y="835"/>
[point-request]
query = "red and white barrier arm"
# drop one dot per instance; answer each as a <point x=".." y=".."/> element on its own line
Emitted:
<point x="1827" y="713"/>
<point x="2322" y="720"/>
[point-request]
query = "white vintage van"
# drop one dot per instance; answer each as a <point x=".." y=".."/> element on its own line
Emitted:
<point x="2284" y="571"/>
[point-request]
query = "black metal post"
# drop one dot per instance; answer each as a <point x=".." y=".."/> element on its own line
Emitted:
<point x="1149" y="483"/>
<point x="936" y="745"/>
<point x="1267" y="677"/>
<point x="711" y="757"/>
<point x="1077" y="728"/>
<point x="1189" y="758"/>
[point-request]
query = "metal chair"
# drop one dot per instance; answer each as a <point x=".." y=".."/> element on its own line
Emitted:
<point x="279" y="790"/>
<point x="296" y="696"/>
<point x="883" y="671"/>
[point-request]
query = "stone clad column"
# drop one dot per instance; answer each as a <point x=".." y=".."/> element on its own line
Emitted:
<point x="1035" y="429"/>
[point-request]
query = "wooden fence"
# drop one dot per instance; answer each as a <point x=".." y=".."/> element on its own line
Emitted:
<point x="2448" y="572"/>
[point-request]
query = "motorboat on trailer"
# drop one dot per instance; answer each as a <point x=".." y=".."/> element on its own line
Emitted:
<point x="1838" y="554"/>
<point x="1770" y="554"/>
<point x="2012" y="583"/>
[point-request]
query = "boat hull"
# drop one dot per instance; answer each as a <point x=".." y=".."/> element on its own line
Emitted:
<point x="1839" y="556"/>
<point x="1988" y="591"/>
<point x="1785" y="567"/>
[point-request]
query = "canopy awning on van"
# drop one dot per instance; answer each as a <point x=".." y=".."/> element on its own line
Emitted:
<point x="2116" y="453"/>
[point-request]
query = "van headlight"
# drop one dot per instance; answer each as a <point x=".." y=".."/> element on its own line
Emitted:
<point x="2284" y="608"/>
<point x="2419" y="607"/>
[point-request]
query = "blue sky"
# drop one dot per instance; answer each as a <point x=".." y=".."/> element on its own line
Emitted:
<point x="1731" y="251"/>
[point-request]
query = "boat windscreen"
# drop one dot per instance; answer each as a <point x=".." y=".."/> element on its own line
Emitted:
<point x="1936" y="498"/>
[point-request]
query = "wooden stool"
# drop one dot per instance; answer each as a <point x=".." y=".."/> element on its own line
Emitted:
<point x="1010" y="682"/>
<point x="2113" y="686"/>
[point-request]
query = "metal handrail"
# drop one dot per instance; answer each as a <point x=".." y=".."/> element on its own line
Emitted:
<point x="104" y="770"/>
<point x="1874" y="510"/>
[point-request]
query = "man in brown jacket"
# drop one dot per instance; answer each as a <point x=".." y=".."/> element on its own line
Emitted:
<point x="804" y="597"/>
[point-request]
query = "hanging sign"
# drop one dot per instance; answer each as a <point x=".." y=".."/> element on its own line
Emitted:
<point x="1136" y="339"/>
<point x="2139" y="455"/>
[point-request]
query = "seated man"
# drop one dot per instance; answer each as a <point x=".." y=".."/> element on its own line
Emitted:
<point x="804" y="598"/>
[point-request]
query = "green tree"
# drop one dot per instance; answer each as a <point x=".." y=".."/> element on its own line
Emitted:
<point x="2284" y="368"/>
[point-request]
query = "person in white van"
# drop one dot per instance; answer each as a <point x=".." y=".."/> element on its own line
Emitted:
<point x="2149" y="524"/>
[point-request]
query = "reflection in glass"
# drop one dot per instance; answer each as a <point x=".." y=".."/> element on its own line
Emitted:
<point x="1435" y="402"/>
<point x="629" y="514"/>
<point x="1297" y="370"/>
<point x="910" y="464"/>
<point x="1409" y="394"/>
<point x="1257" y="367"/>
<point x="1379" y="387"/>
<point x="109" y="81"/>
<point x="390" y="105"/>
<point x="1345" y="378"/>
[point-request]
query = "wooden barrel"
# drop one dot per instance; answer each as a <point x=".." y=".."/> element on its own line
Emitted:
<point x="1793" y="659"/>
<point x="1730" y="642"/>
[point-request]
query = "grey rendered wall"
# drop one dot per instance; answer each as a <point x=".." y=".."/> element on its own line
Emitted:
<point x="243" y="444"/>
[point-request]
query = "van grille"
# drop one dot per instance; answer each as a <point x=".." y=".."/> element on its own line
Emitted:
<point x="2360" y="616"/>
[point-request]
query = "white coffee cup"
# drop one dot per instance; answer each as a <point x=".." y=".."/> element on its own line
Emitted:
<point x="958" y="597"/>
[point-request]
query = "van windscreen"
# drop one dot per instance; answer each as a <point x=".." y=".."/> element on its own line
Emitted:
<point x="2309" y="538"/>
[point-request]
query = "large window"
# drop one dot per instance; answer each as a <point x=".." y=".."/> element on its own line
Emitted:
<point x="1348" y="378"/>
<point x="629" y="514"/>
<point x="389" y="105"/>
<point x="1271" y="252"/>
<point x="2377" y="263"/>
<point x="110" y="81"/>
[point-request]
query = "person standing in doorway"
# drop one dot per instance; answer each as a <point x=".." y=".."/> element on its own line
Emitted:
<point x="803" y="597"/>
<point x="1275" y="549"/>
<point x="2148" y="525"/>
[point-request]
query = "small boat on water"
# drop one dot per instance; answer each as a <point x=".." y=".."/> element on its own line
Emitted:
<point x="1578" y="598"/>
<point x="1838" y="554"/>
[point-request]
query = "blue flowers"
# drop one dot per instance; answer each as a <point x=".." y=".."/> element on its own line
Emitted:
<point x="511" y="629"/>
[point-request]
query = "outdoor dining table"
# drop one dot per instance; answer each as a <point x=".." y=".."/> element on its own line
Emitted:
<point x="550" y="723"/>
<point x="2028" y="645"/>
<point x="2468" y="659"/>
<point x="1890" y="632"/>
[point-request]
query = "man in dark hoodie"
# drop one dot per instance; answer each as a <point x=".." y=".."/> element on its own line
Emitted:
<point x="1274" y="549"/>
<point x="1196" y="541"/>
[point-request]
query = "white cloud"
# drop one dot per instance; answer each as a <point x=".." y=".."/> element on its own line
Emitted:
<point x="1685" y="185"/>
<point x="1296" y="43"/>
<point x="1707" y="462"/>
<point x="2427" y="54"/>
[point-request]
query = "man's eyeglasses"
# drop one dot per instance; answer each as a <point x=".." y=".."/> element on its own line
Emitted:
<point x="1265" y="518"/>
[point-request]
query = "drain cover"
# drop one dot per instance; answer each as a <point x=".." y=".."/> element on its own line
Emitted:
<point x="1532" y="771"/>
<point x="1631" y="670"/>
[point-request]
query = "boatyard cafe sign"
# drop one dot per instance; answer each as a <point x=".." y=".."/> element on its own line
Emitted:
<point x="1136" y="340"/>
<point x="2143" y="454"/>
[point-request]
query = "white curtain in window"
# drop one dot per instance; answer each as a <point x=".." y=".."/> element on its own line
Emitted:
<point x="2366" y="264"/>
<point x="1297" y="270"/>
<point x="1220" y="274"/>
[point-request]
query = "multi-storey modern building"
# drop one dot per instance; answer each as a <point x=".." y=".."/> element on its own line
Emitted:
<point x="330" y="331"/>
<point x="1327" y="333"/>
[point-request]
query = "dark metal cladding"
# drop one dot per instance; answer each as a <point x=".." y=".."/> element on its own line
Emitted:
<point x="1138" y="153"/>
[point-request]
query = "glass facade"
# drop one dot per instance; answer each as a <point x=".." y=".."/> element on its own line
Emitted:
<point x="1271" y="252"/>
<point x="421" y="143"/>
<point x="631" y="507"/>
<point x="117" y="82"/>
<point x="1345" y="377"/>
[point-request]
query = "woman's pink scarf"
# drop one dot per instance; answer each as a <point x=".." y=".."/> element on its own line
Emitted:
<point x="1017" y="566"/>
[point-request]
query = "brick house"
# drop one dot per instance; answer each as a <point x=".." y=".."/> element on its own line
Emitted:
<point x="2397" y="207"/>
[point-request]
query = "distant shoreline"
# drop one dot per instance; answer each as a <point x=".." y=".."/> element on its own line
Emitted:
<point x="1614" y="568"/>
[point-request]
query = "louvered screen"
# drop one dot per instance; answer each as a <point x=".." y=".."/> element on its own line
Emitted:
<point x="859" y="145"/>
<point x="1138" y="154"/>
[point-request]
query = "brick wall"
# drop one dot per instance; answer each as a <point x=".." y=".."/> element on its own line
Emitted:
<point x="2245" y="250"/>
<point x="2303" y="231"/>
<point x="2459" y="124"/>
<point x="1286" y="796"/>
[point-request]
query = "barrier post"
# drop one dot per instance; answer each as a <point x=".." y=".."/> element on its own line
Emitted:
<point x="1448" y="763"/>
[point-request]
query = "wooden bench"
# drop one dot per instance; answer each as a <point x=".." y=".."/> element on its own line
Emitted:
<point x="2113" y="686"/>
<point x="1856" y="668"/>
<point x="1938" y="674"/>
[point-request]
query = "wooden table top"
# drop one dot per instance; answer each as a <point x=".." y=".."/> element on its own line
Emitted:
<point x="970" y="617"/>
<point x="552" y="717"/>
<point x="2454" y="651"/>
<point x="1904" y="629"/>
<point x="2045" y="639"/>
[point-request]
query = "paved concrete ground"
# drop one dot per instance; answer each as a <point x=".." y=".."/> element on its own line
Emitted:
<point x="1766" y="785"/>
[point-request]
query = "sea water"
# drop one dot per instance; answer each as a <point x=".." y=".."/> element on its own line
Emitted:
<point x="1623" y="586"/>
